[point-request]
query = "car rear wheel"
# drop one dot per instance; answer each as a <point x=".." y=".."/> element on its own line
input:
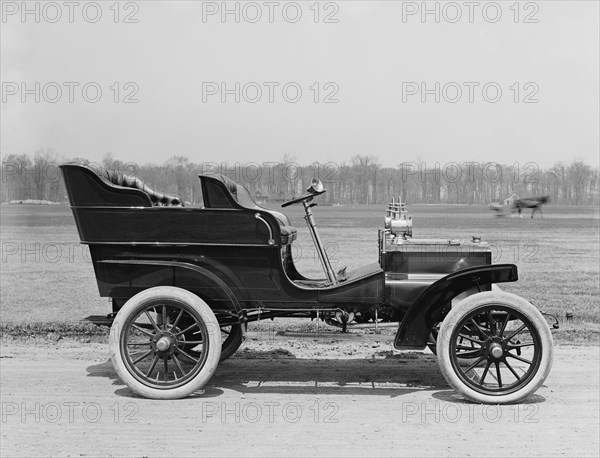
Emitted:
<point x="231" y="336"/>
<point x="508" y="343"/>
<point x="148" y="348"/>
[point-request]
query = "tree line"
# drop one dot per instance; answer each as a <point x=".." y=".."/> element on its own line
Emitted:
<point x="360" y="180"/>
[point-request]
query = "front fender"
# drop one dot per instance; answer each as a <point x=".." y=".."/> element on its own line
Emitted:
<point x="417" y="323"/>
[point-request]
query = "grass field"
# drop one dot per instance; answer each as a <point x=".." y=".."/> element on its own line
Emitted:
<point x="47" y="276"/>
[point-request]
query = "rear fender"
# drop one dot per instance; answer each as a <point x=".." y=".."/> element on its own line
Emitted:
<point x="425" y="310"/>
<point x="198" y="272"/>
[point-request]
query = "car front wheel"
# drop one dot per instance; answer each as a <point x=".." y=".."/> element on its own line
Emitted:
<point x="506" y="341"/>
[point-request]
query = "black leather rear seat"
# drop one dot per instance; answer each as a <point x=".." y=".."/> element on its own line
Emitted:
<point x="158" y="199"/>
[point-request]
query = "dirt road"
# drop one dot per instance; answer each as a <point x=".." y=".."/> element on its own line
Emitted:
<point x="283" y="396"/>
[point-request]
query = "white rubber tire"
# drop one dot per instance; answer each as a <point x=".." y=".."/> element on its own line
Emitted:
<point x="131" y="308"/>
<point x="516" y="303"/>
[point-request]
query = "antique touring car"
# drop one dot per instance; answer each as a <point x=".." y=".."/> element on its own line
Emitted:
<point x="185" y="280"/>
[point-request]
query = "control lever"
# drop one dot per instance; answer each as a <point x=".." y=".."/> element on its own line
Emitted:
<point x="312" y="228"/>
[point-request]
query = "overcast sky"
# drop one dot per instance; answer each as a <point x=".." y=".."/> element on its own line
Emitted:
<point x="374" y="61"/>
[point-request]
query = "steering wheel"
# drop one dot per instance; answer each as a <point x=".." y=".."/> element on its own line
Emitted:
<point x="315" y="189"/>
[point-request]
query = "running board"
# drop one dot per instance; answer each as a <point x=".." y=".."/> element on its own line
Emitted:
<point x="101" y="320"/>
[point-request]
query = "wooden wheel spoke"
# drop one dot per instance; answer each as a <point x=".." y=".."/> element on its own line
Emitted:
<point x="164" y="317"/>
<point x="518" y="357"/>
<point x="491" y="322"/>
<point x="470" y="339"/>
<point x="498" y="374"/>
<point x="189" y="328"/>
<point x="179" y="366"/>
<point x="511" y="369"/>
<point x="504" y="324"/>
<point x="176" y="322"/>
<point x="485" y="371"/>
<point x="156" y="328"/>
<point x="188" y="356"/>
<point x="152" y="366"/>
<point x="520" y="345"/>
<point x="523" y="326"/>
<point x="469" y="354"/>
<point x="137" y="360"/>
<point x="479" y="329"/>
<point x="139" y="328"/>
<point x="472" y="366"/>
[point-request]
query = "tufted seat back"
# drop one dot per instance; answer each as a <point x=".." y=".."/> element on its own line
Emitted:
<point x="241" y="194"/>
<point x="158" y="199"/>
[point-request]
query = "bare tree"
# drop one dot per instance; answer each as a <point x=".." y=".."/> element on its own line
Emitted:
<point x="367" y="166"/>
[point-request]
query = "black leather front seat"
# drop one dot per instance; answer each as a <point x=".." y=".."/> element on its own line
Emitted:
<point x="242" y="196"/>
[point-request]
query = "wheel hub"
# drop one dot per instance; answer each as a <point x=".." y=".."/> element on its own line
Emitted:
<point x="163" y="344"/>
<point x="496" y="350"/>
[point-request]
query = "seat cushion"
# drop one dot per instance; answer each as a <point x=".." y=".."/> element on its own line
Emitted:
<point x="288" y="234"/>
